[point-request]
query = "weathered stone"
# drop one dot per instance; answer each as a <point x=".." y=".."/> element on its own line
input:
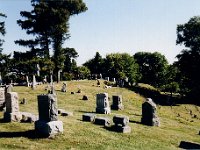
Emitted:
<point x="102" y="103"/>
<point x="90" y="117"/>
<point x="85" y="97"/>
<point x="34" y="83"/>
<point x="64" y="87"/>
<point x="12" y="104"/>
<point x="117" y="103"/>
<point x="107" y="78"/>
<point x="2" y="98"/>
<point x="102" y="121"/>
<point x="15" y="117"/>
<point x="47" y="106"/>
<point x="9" y="88"/>
<point x="67" y="113"/>
<point x="149" y="116"/>
<point x="124" y="129"/>
<point x="49" y="128"/>
<point x="121" y="120"/>
<point x="28" y="117"/>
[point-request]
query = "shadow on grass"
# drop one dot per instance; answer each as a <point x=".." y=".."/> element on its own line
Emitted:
<point x="92" y="112"/>
<point x="31" y="134"/>
<point x="189" y="145"/>
<point x="132" y="121"/>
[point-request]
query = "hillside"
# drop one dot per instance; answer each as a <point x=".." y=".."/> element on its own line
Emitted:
<point x="178" y="123"/>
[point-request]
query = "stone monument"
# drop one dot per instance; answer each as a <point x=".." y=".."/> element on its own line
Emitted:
<point x="64" y="87"/>
<point x="149" y="116"/>
<point x="117" y="102"/>
<point x="12" y="108"/>
<point x="102" y="103"/>
<point x="48" y="124"/>
<point x="2" y="98"/>
<point x="121" y="124"/>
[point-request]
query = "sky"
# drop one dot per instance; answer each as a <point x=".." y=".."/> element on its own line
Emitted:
<point x="111" y="26"/>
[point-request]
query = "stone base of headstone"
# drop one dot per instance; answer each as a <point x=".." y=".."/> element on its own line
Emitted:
<point x="102" y="121"/>
<point x="89" y="117"/>
<point x="12" y="117"/>
<point x="153" y="122"/>
<point x="67" y="113"/>
<point x="103" y="110"/>
<point x="123" y="129"/>
<point x="118" y="107"/>
<point x="28" y="117"/>
<point x="49" y="128"/>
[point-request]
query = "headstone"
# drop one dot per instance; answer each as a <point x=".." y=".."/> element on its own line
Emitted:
<point x="121" y="124"/>
<point x="34" y="83"/>
<point x="48" y="124"/>
<point x="12" y="108"/>
<point x="59" y="71"/>
<point x="2" y="98"/>
<point x="51" y="79"/>
<point x="64" y="87"/>
<point x="89" y="117"/>
<point x="102" y="121"/>
<point x="27" y="81"/>
<point x="38" y="69"/>
<point x="85" y="97"/>
<point x="113" y="80"/>
<point x="28" y="117"/>
<point x="100" y="75"/>
<point x="117" y="102"/>
<point x="102" y="103"/>
<point x="149" y="116"/>
<point x="107" y="78"/>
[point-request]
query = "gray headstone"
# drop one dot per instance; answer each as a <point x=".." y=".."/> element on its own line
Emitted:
<point x="64" y="87"/>
<point x="12" y="102"/>
<point x="121" y="124"/>
<point x="107" y="78"/>
<point x="88" y="117"/>
<point x="102" y="103"/>
<point x="117" y="102"/>
<point x="149" y="116"/>
<point x="47" y="106"/>
<point x="34" y="82"/>
<point x="2" y="97"/>
<point x="102" y="121"/>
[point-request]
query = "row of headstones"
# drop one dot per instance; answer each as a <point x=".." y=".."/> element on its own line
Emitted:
<point x="149" y="116"/>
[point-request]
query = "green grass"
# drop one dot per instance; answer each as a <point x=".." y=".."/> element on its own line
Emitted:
<point x="177" y="122"/>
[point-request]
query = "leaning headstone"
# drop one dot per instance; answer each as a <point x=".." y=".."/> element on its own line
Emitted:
<point x="121" y="124"/>
<point x="12" y="108"/>
<point x="48" y="124"/>
<point x="102" y="121"/>
<point x="2" y="98"/>
<point x="102" y="103"/>
<point x="64" y="87"/>
<point x="149" y="116"/>
<point x="89" y="117"/>
<point x="117" y="102"/>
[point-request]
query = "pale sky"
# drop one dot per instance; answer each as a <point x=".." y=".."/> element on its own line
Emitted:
<point x="111" y="26"/>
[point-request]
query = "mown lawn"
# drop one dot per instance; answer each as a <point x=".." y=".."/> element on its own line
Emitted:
<point x="178" y="123"/>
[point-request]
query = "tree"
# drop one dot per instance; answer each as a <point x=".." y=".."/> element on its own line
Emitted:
<point x="189" y="59"/>
<point x="121" y="66"/>
<point x="152" y="67"/>
<point x="95" y="64"/>
<point x="49" y="23"/>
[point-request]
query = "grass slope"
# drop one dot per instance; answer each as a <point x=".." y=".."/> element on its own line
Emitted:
<point x="177" y="123"/>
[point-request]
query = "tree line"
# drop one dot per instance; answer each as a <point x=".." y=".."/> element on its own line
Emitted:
<point x="48" y="23"/>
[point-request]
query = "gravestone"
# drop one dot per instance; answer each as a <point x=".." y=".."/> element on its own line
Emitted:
<point x="2" y="98"/>
<point x="107" y="78"/>
<point x="27" y="81"/>
<point x="12" y="108"/>
<point x="102" y="121"/>
<point x="121" y="124"/>
<point x="34" y="83"/>
<point x="48" y="124"/>
<point x="64" y="87"/>
<point x="117" y="102"/>
<point x="149" y="116"/>
<point x="113" y="80"/>
<point x="89" y="117"/>
<point x="102" y="103"/>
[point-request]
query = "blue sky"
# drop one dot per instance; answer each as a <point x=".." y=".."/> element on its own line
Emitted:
<point x="111" y="26"/>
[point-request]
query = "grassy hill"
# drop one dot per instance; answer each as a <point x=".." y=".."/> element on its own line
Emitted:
<point x="178" y="123"/>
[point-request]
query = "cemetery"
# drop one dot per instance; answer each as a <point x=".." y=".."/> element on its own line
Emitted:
<point x="64" y="121"/>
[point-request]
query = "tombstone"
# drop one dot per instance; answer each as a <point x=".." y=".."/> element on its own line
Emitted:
<point x="52" y="90"/>
<point x="64" y="87"/>
<point x="59" y="72"/>
<point x="107" y="78"/>
<point x="102" y="121"/>
<point x="89" y="117"/>
<point x="48" y="124"/>
<point x="113" y="80"/>
<point x="27" y="81"/>
<point x="102" y="103"/>
<point x="121" y="124"/>
<point x="100" y="75"/>
<point x="34" y="83"/>
<point x="149" y="116"/>
<point x="38" y="69"/>
<point x="117" y="102"/>
<point x="28" y="117"/>
<point x="85" y="97"/>
<point x="12" y="108"/>
<point x="2" y="98"/>
<point x="9" y="88"/>
<point x="51" y="79"/>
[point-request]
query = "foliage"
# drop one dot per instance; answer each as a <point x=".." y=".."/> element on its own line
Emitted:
<point x="189" y="59"/>
<point x="2" y="31"/>
<point x="83" y="72"/>
<point x="153" y="67"/>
